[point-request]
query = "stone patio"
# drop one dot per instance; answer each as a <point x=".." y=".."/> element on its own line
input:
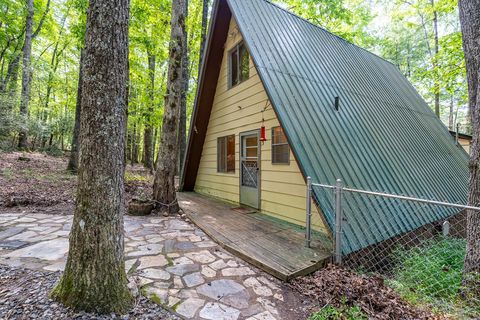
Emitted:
<point x="174" y="263"/>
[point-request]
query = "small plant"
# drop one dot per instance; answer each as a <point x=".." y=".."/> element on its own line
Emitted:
<point x="28" y="173"/>
<point x="431" y="271"/>
<point x="133" y="177"/>
<point x="50" y="177"/>
<point x="7" y="173"/>
<point x="344" y="312"/>
<point x="431" y="274"/>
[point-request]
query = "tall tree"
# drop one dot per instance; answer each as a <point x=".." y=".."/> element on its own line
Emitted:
<point x="25" y="97"/>
<point x="435" y="59"/>
<point x="203" y="37"/>
<point x="80" y="7"/>
<point x="73" y="159"/>
<point x="12" y="32"/>
<point x="58" y="50"/>
<point x="148" y="133"/>
<point x="470" y="22"/>
<point x="182" y="128"/>
<point x="164" y="184"/>
<point x="94" y="277"/>
<point x="26" y="72"/>
<point x="423" y="38"/>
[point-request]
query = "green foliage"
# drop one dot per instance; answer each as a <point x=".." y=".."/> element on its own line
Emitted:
<point x="400" y="31"/>
<point x="431" y="274"/>
<point x="406" y="36"/>
<point x="431" y="271"/>
<point x="348" y="19"/>
<point x="403" y="33"/>
<point x="8" y="119"/>
<point x="343" y="313"/>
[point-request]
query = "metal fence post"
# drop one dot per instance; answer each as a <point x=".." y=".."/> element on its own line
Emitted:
<point x="338" y="221"/>
<point x="308" y="228"/>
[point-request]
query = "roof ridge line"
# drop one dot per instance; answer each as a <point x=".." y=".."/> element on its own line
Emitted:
<point x="326" y="30"/>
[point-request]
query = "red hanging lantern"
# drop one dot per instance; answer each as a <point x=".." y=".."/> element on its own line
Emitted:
<point x="263" y="136"/>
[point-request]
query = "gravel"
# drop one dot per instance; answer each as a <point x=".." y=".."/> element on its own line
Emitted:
<point x="24" y="295"/>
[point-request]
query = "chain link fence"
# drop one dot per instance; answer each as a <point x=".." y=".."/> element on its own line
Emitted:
<point x="421" y="261"/>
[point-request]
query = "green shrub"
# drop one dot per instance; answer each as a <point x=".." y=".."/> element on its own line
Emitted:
<point x="342" y="313"/>
<point x="6" y="144"/>
<point x="431" y="275"/>
<point x="430" y="272"/>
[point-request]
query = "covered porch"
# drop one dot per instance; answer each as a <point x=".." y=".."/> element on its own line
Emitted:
<point x="267" y="243"/>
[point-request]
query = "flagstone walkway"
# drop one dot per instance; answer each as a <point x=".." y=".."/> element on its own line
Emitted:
<point x="173" y="262"/>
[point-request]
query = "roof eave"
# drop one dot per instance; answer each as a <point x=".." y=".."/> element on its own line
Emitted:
<point x="209" y="72"/>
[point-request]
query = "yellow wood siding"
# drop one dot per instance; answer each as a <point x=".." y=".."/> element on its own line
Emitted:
<point x="238" y="110"/>
<point x="465" y="143"/>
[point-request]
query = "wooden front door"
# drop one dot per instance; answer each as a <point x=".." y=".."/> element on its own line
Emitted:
<point x="250" y="169"/>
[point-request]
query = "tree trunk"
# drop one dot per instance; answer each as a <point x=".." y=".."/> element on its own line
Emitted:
<point x="94" y="279"/>
<point x="135" y="145"/>
<point x="182" y="130"/>
<point x="11" y="85"/>
<point x="12" y="72"/>
<point x="164" y="185"/>
<point x="128" y="154"/>
<point x="155" y="139"/>
<point x="203" y="40"/>
<point x="148" y="133"/>
<point x="436" y="85"/>
<point x="53" y="67"/>
<point x="73" y="160"/>
<point x="470" y="23"/>
<point x="26" y="75"/>
<point x="27" y="72"/>
<point x="451" y="124"/>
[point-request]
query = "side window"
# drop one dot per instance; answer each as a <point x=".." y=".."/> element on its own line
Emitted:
<point x="280" y="148"/>
<point x="239" y="65"/>
<point x="226" y="154"/>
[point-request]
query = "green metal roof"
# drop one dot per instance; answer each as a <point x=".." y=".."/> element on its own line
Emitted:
<point x="384" y="137"/>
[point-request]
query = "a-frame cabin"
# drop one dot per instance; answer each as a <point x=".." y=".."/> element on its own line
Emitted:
<point x="325" y="108"/>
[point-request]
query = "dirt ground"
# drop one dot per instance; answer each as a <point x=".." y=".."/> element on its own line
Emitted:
<point x="37" y="183"/>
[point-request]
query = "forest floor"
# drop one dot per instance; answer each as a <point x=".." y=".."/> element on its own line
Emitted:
<point x="172" y="262"/>
<point x="38" y="183"/>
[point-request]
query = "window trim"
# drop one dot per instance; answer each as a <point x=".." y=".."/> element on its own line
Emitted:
<point x="280" y="144"/>
<point x="230" y="54"/>
<point x="226" y="154"/>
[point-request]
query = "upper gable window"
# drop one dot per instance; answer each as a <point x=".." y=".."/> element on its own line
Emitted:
<point x="239" y="64"/>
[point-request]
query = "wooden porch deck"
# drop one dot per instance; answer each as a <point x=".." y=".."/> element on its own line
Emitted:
<point x="269" y="245"/>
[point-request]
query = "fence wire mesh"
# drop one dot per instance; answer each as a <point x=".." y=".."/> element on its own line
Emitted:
<point x="423" y="262"/>
<point x="320" y="235"/>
